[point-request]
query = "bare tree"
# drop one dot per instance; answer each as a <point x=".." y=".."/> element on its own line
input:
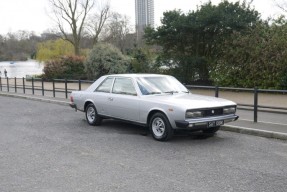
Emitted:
<point x="118" y="30"/>
<point x="281" y="4"/>
<point x="98" y="20"/>
<point x="70" y="16"/>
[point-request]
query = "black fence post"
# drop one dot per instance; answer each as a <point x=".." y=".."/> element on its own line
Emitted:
<point x="80" y="84"/>
<point x="42" y="86"/>
<point x="255" y="104"/>
<point x="66" y="88"/>
<point x="0" y="83"/>
<point x="15" y="85"/>
<point x="7" y="84"/>
<point x="24" y="91"/>
<point x="33" y="91"/>
<point x="54" y="94"/>
<point x="216" y="91"/>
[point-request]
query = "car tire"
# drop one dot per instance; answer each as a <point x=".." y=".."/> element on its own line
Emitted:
<point x="92" y="116"/>
<point x="211" y="130"/>
<point x="160" y="127"/>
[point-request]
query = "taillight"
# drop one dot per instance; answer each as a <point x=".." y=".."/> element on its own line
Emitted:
<point x="72" y="99"/>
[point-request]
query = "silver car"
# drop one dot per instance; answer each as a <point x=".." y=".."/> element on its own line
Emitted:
<point x="159" y="102"/>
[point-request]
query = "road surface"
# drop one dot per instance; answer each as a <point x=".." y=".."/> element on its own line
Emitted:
<point x="49" y="147"/>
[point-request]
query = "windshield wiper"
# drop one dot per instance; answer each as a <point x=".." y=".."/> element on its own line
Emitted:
<point x="152" y="93"/>
<point x="171" y="92"/>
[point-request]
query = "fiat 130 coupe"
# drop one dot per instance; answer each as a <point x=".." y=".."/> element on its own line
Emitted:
<point x="159" y="102"/>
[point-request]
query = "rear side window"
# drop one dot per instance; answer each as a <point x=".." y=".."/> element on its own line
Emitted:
<point x="124" y="86"/>
<point x="105" y="86"/>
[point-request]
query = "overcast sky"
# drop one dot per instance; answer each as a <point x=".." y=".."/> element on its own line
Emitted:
<point x="32" y="15"/>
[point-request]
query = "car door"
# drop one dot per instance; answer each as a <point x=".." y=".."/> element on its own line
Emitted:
<point x="124" y="100"/>
<point x="101" y="96"/>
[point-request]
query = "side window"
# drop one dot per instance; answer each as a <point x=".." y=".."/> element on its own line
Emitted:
<point x="124" y="86"/>
<point x="105" y="86"/>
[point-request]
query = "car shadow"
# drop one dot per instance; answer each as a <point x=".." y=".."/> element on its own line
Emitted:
<point x="120" y="127"/>
<point x="198" y="135"/>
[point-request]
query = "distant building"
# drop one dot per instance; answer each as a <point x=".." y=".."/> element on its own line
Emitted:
<point x="144" y="16"/>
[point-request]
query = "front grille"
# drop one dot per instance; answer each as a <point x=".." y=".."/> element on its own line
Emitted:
<point x="212" y="112"/>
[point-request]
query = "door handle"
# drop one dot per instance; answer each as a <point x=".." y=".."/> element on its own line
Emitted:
<point x="110" y="99"/>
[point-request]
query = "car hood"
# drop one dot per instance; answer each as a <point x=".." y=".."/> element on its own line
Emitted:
<point x="190" y="101"/>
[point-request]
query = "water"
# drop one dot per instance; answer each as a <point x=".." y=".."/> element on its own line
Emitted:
<point x="20" y="69"/>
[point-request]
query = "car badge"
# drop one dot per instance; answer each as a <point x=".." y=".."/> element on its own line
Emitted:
<point x="212" y="111"/>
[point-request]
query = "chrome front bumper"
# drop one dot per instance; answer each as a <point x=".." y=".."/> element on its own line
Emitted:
<point x="203" y="122"/>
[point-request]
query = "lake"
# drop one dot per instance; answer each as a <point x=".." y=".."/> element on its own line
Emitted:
<point x="20" y="69"/>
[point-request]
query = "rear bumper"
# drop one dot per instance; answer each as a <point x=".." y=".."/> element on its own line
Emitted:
<point x="202" y="123"/>
<point x="73" y="105"/>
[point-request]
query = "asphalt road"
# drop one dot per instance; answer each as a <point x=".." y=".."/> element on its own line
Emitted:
<point x="49" y="147"/>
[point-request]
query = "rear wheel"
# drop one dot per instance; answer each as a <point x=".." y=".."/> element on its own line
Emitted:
<point x="211" y="130"/>
<point x="160" y="127"/>
<point x="92" y="115"/>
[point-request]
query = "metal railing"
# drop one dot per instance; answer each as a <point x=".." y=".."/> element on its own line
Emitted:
<point x="255" y="92"/>
<point x="60" y="88"/>
<point x="36" y="86"/>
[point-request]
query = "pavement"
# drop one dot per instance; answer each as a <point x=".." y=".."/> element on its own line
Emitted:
<point x="46" y="147"/>
<point x="270" y="125"/>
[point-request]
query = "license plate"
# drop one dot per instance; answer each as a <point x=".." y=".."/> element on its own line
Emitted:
<point x="215" y="123"/>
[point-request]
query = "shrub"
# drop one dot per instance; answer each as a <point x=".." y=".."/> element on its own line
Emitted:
<point x="105" y="59"/>
<point x="66" y="67"/>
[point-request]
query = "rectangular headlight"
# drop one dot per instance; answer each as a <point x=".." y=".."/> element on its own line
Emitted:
<point x="193" y="114"/>
<point x="229" y="110"/>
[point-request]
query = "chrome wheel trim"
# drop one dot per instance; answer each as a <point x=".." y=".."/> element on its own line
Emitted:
<point x="91" y="114"/>
<point x="158" y="127"/>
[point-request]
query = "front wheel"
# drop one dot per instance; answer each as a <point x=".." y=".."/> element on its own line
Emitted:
<point x="92" y="115"/>
<point x="160" y="127"/>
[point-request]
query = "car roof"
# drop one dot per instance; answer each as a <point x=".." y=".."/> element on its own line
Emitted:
<point x="135" y="75"/>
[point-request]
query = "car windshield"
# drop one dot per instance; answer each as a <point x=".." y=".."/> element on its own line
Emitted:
<point x="160" y="85"/>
